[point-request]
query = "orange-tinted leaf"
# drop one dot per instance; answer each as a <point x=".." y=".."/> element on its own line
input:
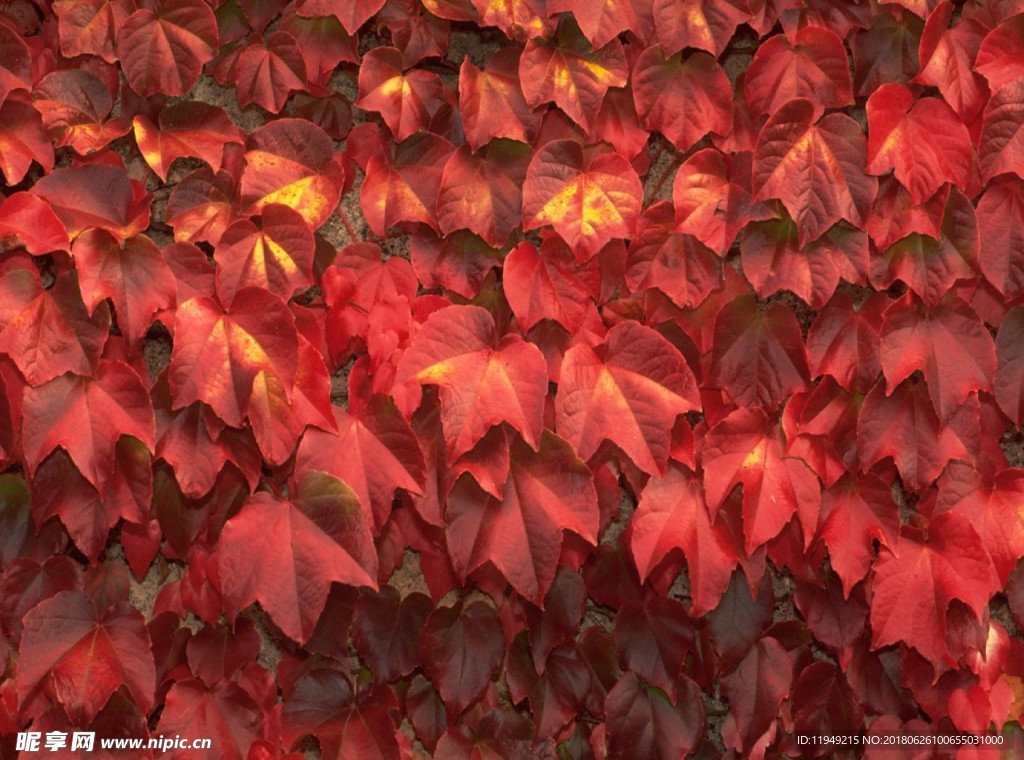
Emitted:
<point x="519" y="19"/>
<point x="628" y="392"/>
<point x="547" y="491"/>
<point x="600" y="21"/>
<point x="491" y="101"/>
<point x="95" y="196"/>
<point x="483" y="192"/>
<point x="74" y="105"/>
<point x="163" y="48"/>
<point x="89" y="27"/>
<point x="292" y="162"/>
<point x="201" y="206"/>
<point x="22" y="140"/>
<point x="484" y="381"/>
<point x="587" y="201"/>
<point x="571" y="74"/>
<point x="188" y="129"/>
<point x="544" y="284"/>
<point x="816" y="168"/>
<point x="322" y="536"/>
<point x="267" y="71"/>
<point x="86" y="416"/>
<point x="702" y="24"/>
<point x="351" y="13"/>
<point x="30" y="222"/>
<point x="218" y="353"/>
<point x="684" y="100"/>
<point x="406" y="100"/>
<point x="132" y="274"/>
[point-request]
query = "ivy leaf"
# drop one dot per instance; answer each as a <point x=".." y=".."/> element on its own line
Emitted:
<point x="351" y="13"/>
<point x="268" y="70"/>
<point x="843" y="341"/>
<point x="547" y="491"/>
<point x="914" y="584"/>
<point x="642" y="720"/>
<point x="684" y="100"/>
<point x="588" y="200"/>
<point x="924" y="141"/>
<point x="81" y="655"/>
<point x="571" y="74"/>
<point x="303" y="545"/>
<point x="163" y="47"/>
<point x="406" y="100"/>
<point x="201" y="207"/>
<point x="999" y="57"/>
<point x="483" y="381"/>
<point x="628" y="392"/>
<point x="556" y="692"/>
<point x="491" y="101"/>
<point x="1009" y="377"/>
<point x="191" y="129"/>
<point x="28" y="221"/>
<point x="386" y="629"/>
<point x="403" y="186"/>
<point x="815" y="167"/>
<point x="461" y="648"/>
<point x="22" y="140"/>
<point x="224" y="712"/>
<point x="95" y="196"/>
<point x="947" y="342"/>
<point x="86" y="416"/>
<point x="672" y="514"/>
<point x="947" y="60"/>
<point x="702" y="24"/>
<point x="218" y="353"/>
<point x="89" y="27"/>
<point x="1002" y="137"/>
<point x="1001" y="228"/>
<point x="755" y="690"/>
<point x="545" y="284"/>
<point x="654" y="636"/>
<point x="600" y="22"/>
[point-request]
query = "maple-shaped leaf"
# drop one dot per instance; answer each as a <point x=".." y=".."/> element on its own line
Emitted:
<point x="491" y="101"/>
<point x="811" y="65"/>
<point x="347" y="723"/>
<point x="86" y="416"/>
<point x="712" y="197"/>
<point x="406" y="100"/>
<point x="571" y="74"/>
<point x="556" y="692"/>
<point x="267" y="71"/>
<point x="163" y="47"/>
<point x="547" y="491"/>
<point x="483" y="192"/>
<point x="460" y="649"/>
<point x="520" y="20"/>
<point x="914" y="584"/>
<point x="224" y="712"/>
<point x="629" y="392"/>
<point x="49" y="332"/>
<point x="924" y="141"/>
<point x="587" y="200"/>
<point x="276" y="256"/>
<point x="758" y="357"/>
<point x="643" y="722"/>
<point x="80" y="655"/>
<point x="218" y="353"/>
<point x="75" y="106"/>
<point x="1002" y="137"/>
<point x="755" y="690"/>
<point x="824" y="702"/>
<point x="303" y="545"/>
<point x="132" y="274"/>
<point x="191" y="129"/>
<point x="947" y="342"/>
<point x="386" y="630"/>
<point x="682" y="99"/>
<point x="403" y="186"/>
<point x="815" y="167"/>
<point x="745" y="449"/>
<point x="947" y="60"/>
<point x="201" y="206"/>
<point x="843" y="340"/>
<point x="904" y="425"/>
<point x="1001" y="227"/>
<point x="895" y="216"/>
<point x="22" y="139"/>
<point x="545" y="284"/>
<point x="854" y="512"/>
<point x="702" y="24"/>
<point x="95" y="196"/>
<point x="672" y="514"/>
<point x="292" y="162"/>
<point x="999" y="57"/>
<point x="886" y="52"/>
<point x="29" y="221"/>
<point x="324" y="44"/>
<point x="483" y="381"/>
<point x="351" y="13"/>
<point x="654" y="636"/>
<point x="374" y="452"/>
<point x="89" y="27"/>
<point x="460" y="262"/>
<point x="1009" y="377"/>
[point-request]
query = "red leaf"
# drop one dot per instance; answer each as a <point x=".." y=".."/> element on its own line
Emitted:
<point x="545" y="284"/>
<point x="912" y="588"/>
<point x="407" y="101"/>
<point x="22" y="140"/>
<point x="642" y="722"/>
<point x="491" y="101"/>
<point x="95" y="196"/>
<point x="810" y="64"/>
<point x="483" y="192"/>
<point x="483" y="381"/>
<point x="191" y="129"/>
<point x="947" y="61"/>
<point x="924" y="141"/>
<point x="702" y="24"/>
<point x="824" y="703"/>
<point x="351" y="13"/>
<point x="224" y="713"/>
<point x="684" y="100"/>
<point x="1009" y="377"/>
<point x="815" y="168"/>
<point x="81" y="656"/>
<point x="218" y="353"/>
<point x="758" y="357"/>
<point x="629" y="393"/>
<point x="1001" y="227"/>
<point x="75" y="105"/>
<point x="201" y="207"/>
<point x="386" y="629"/>
<point x="460" y="649"/>
<point x="947" y="342"/>
<point x="30" y="222"/>
<point x="303" y="545"/>
<point x="556" y="693"/>
<point x="654" y="636"/>
<point x="1002" y="137"/>
<point x="163" y="48"/>
<point x="843" y="341"/>
<point x="755" y="690"/>
<point x="600" y="22"/>
<point x="1000" y="59"/>
<point x="672" y="514"/>
<point x="86" y="416"/>
<point x="887" y="52"/>
<point x="571" y="74"/>
<point x="547" y="491"/>
<point x="460" y="262"/>
<point x="267" y="71"/>
<point x="89" y="27"/>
